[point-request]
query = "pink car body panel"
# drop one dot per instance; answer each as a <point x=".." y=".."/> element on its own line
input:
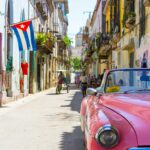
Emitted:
<point x="136" y="108"/>
<point x="128" y="113"/>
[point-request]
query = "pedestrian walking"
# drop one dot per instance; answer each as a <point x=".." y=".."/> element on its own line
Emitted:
<point x="83" y="80"/>
<point x="60" y="82"/>
<point x="93" y="82"/>
<point x="99" y="80"/>
<point x="144" y="61"/>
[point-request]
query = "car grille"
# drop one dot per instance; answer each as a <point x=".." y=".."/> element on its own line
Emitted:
<point x="140" y="148"/>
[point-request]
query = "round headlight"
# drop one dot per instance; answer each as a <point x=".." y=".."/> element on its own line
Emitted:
<point x="107" y="136"/>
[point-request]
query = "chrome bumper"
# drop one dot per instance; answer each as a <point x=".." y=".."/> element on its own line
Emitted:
<point x="139" y="148"/>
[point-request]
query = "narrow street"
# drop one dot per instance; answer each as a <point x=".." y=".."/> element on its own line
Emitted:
<point x="43" y="121"/>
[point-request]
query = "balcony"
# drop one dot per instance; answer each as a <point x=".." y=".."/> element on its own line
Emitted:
<point x="98" y="40"/>
<point x="55" y="28"/>
<point x="44" y="16"/>
<point x="65" y="3"/>
<point x="45" y="43"/>
<point x="60" y="14"/>
<point x="105" y="38"/>
<point x="62" y="45"/>
<point x="128" y="41"/>
<point x="116" y="35"/>
<point x="40" y="9"/>
<point x="66" y="19"/>
<point x="50" y="5"/>
<point x="146" y="3"/>
<point x="131" y="19"/>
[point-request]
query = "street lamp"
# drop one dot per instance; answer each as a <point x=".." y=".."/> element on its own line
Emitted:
<point x="88" y="12"/>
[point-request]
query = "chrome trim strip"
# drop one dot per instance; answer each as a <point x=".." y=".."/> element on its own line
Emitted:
<point x="139" y="148"/>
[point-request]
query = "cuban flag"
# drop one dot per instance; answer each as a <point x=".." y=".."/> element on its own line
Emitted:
<point x="25" y="35"/>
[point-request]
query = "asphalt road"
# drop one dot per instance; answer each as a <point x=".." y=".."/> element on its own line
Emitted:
<point x="43" y="121"/>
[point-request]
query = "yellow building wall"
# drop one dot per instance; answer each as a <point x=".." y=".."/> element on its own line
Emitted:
<point x="108" y="19"/>
<point x="121" y="15"/>
<point x="102" y="67"/>
<point x="147" y="21"/>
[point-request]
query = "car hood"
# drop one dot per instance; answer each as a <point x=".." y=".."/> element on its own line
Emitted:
<point x="135" y="108"/>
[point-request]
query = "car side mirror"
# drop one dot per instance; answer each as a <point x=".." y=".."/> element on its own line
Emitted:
<point x="91" y="91"/>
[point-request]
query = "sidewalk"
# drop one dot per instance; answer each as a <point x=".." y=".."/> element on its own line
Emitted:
<point x="21" y="101"/>
<point x="43" y="121"/>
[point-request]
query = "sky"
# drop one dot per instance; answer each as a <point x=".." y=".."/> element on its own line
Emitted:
<point x="78" y="14"/>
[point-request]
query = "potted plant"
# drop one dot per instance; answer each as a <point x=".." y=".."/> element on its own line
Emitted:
<point x="41" y="39"/>
<point x="105" y="38"/>
<point x="50" y="41"/>
<point x="45" y="40"/>
<point x="98" y="39"/>
<point x="67" y="41"/>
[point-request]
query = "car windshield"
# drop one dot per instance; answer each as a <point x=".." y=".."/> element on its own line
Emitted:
<point x="128" y="80"/>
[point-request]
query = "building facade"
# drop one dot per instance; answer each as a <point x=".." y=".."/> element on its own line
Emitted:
<point x="49" y="18"/>
<point x="11" y="58"/>
<point x="119" y="35"/>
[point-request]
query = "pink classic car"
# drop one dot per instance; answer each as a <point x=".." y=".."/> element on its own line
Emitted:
<point x="116" y="116"/>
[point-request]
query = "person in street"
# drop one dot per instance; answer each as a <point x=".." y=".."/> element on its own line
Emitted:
<point x="60" y="78"/>
<point x="99" y="80"/>
<point x="83" y="80"/>
<point x="144" y="61"/>
<point x="121" y="82"/>
<point x="144" y="65"/>
<point x="75" y="78"/>
<point x="60" y="82"/>
<point x="93" y="82"/>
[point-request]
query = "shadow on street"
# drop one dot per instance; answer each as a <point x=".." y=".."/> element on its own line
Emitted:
<point x="71" y="88"/>
<point x="72" y="141"/>
<point x="75" y="102"/>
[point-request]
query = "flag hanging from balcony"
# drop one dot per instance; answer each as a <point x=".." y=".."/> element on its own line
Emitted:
<point x="25" y="35"/>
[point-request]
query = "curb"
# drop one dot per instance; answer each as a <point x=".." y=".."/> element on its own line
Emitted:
<point x="24" y="98"/>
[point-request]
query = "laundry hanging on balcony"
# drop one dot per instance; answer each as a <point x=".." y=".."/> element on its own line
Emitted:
<point x="25" y="35"/>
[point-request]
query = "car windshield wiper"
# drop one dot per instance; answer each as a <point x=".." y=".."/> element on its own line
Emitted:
<point x="136" y="90"/>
